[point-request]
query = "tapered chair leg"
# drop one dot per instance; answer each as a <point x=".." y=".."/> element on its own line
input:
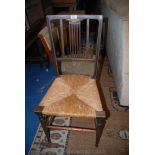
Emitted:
<point x="43" y="120"/>
<point x="100" y="123"/>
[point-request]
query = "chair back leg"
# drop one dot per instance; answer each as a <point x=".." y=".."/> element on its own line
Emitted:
<point x="100" y="123"/>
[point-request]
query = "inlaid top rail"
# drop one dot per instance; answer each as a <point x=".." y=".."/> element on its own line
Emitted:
<point x="97" y="17"/>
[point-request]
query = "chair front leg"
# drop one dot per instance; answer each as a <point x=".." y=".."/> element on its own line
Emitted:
<point x="100" y="123"/>
<point x="43" y="120"/>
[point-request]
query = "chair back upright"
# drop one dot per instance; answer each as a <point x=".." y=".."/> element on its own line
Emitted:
<point x="75" y="38"/>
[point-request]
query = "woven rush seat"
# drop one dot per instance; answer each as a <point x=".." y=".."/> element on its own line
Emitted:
<point x="72" y="95"/>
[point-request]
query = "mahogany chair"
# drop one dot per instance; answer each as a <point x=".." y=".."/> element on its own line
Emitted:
<point x="73" y="95"/>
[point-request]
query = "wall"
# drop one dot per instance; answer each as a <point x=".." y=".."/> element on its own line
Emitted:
<point x="118" y="44"/>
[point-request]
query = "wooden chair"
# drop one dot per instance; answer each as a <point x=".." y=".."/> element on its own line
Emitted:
<point x="73" y="95"/>
<point x="43" y="35"/>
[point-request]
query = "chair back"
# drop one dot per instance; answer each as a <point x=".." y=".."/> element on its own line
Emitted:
<point x="75" y="38"/>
